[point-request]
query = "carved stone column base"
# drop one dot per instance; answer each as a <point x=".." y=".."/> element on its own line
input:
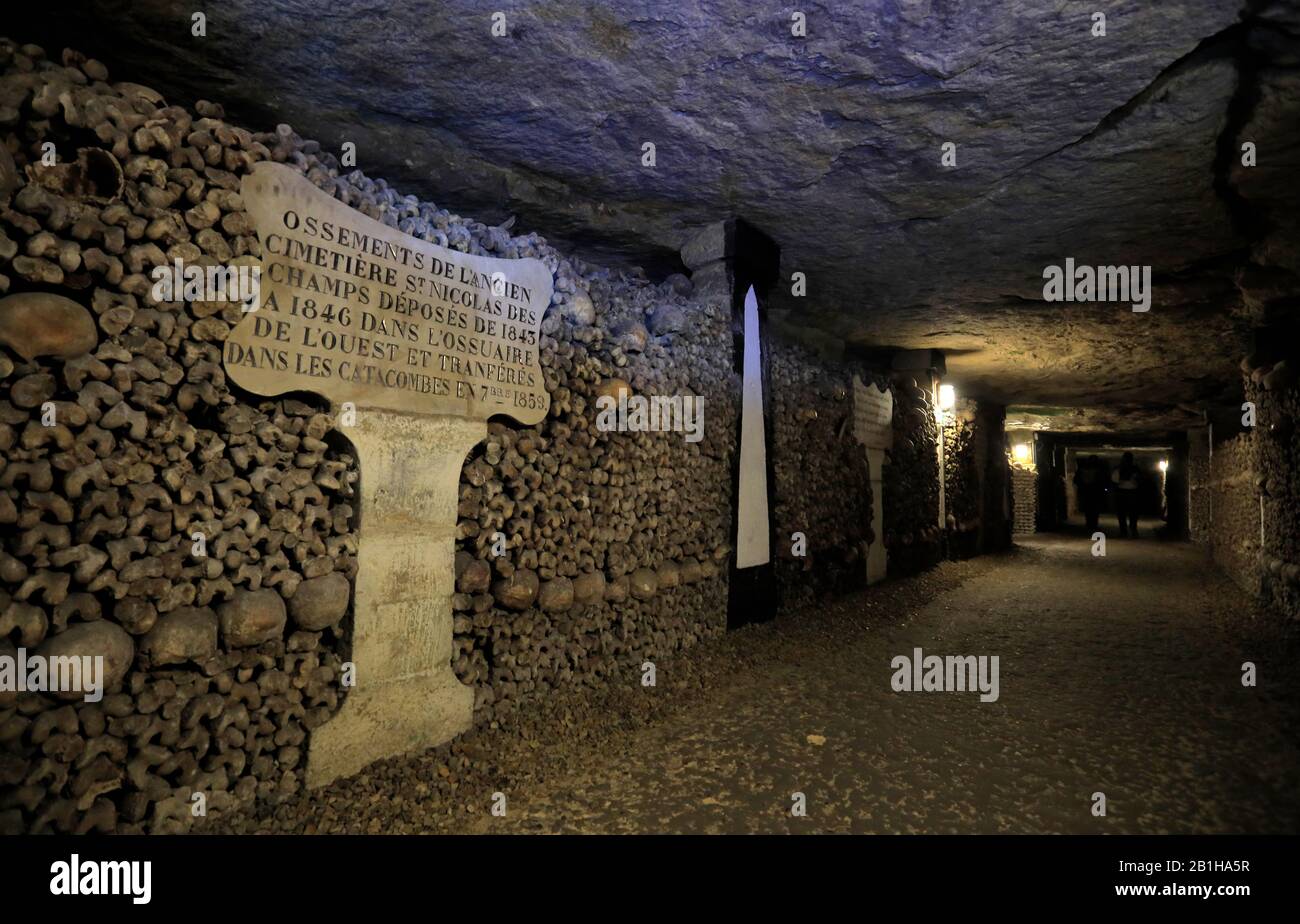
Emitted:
<point x="406" y="697"/>
<point x="402" y="717"/>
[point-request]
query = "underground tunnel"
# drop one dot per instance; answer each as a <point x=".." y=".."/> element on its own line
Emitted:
<point x="610" y="419"/>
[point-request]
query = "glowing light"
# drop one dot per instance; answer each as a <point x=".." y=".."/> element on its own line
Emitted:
<point x="947" y="397"/>
<point x="1020" y="452"/>
<point x="1164" y="465"/>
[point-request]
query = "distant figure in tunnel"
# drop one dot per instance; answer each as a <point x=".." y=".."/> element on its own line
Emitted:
<point x="1126" y="495"/>
<point x="1089" y="479"/>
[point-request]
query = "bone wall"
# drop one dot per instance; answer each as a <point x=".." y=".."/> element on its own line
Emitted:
<point x="616" y="543"/>
<point x="1234" y="512"/>
<point x="911" y="482"/>
<point x="823" y="485"/>
<point x="1246" y="497"/>
<point x="203" y="539"/>
<point x="613" y="544"/>
<point x="1278" y="483"/>
<point x="975" y="479"/>
<point x="1024" y="482"/>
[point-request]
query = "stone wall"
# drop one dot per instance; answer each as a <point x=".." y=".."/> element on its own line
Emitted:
<point x="1234" y="511"/>
<point x="1024" y="482"/>
<point x="615" y="543"/>
<point x="823" y="484"/>
<point x="1270" y="210"/>
<point x="975" y="479"/>
<point x="1277" y="480"/>
<point x="1198" y="472"/>
<point x="201" y="540"/>
<point x="996" y="525"/>
<point x="912" y="533"/>
<point x="1246" y="497"/>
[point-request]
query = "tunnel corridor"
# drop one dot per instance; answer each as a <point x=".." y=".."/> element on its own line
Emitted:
<point x="615" y="418"/>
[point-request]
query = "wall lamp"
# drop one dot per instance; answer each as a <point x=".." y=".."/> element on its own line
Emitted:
<point x="947" y="401"/>
<point x="947" y="397"/>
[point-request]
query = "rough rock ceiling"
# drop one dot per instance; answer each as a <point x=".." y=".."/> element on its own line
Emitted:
<point x="1112" y="150"/>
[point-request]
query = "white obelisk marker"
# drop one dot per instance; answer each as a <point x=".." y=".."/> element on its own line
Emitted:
<point x="753" y="545"/>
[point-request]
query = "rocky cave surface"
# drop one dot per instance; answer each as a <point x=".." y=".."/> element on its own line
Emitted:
<point x="1122" y="149"/>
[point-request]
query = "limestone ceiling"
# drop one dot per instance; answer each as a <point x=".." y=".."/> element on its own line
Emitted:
<point x="1114" y="150"/>
<point x="1129" y="419"/>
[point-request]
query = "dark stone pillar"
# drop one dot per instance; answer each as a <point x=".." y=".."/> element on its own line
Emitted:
<point x="726" y="259"/>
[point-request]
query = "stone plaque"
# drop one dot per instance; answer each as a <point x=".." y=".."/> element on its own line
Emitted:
<point x="360" y="312"/>
<point x="426" y="343"/>
<point x="873" y="414"/>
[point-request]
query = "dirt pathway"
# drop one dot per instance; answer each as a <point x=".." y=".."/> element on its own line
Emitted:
<point x="1119" y="675"/>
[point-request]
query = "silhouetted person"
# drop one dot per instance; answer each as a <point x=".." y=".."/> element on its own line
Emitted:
<point x="1126" y="495"/>
<point x="1088" y="479"/>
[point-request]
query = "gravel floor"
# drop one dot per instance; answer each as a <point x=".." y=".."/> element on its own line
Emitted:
<point x="1119" y="675"/>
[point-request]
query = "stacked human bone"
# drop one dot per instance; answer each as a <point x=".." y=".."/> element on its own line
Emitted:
<point x="201" y="541"/>
<point x="1245" y="492"/>
<point x="1255" y="497"/>
<point x="912" y="533"/>
<point x="222" y="662"/>
<point x="1268" y="283"/>
<point x="823" y="484"/>
<point x="997" y="518"/>
<point x="962" y="498"/>
<point x="976" y="473"/>
<point x="1277" y="479"/>
<point x="615" y="542"/>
